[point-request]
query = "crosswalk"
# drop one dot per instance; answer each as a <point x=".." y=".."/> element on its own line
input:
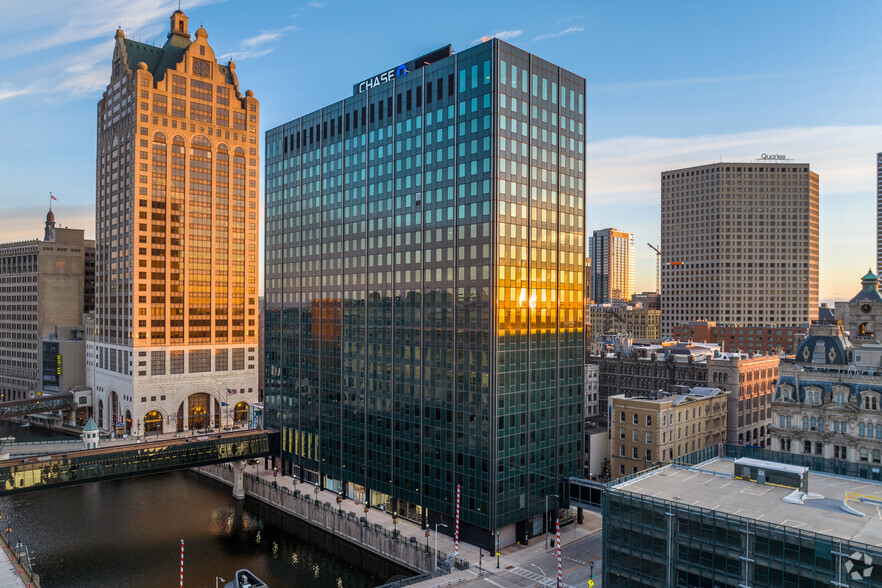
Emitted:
<point x="538" y="578"/>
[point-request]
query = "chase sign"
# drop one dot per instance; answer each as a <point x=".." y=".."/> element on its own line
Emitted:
<point x="380" y="79"/>
<point x="402" y="70"/>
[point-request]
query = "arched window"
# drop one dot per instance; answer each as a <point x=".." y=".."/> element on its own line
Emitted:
<point x="821" y="425"/>
<point x="805" y="422"/>
<point x="240" y="413"/>
<point x="153" y="422"/>
<point x="861" y="430"/>
<point x="871" y="431"/>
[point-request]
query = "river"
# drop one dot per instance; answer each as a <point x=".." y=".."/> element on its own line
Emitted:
<point x="128" y="533"/>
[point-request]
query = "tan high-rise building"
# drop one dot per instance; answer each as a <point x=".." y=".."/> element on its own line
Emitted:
<point x="739" y="244"/>
<point x="177" y="225"/>
<point x="41" y="288"/>
<point x="612" y="265"/>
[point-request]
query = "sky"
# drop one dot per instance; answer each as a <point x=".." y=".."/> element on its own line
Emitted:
<point x="670" y="84"/>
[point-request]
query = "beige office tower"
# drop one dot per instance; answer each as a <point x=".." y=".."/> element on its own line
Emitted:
<point x="176" y="227"/>
<point x="739" y="244"/>
<point x="41" y="289"/>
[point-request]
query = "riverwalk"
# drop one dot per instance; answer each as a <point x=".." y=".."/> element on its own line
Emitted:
<point x="519" y="566"/>
<point x="12" y="573"/>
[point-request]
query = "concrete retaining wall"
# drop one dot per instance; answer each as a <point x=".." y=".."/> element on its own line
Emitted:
<point x="325" y="516"/>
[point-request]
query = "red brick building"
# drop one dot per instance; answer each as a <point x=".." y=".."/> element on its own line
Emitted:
<point x="762" y="340"/>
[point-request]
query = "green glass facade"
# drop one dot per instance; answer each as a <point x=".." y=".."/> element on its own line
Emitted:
<point x="424" y="266"/>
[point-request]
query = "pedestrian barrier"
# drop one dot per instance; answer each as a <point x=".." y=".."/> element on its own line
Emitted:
<point x="374" y="538"/>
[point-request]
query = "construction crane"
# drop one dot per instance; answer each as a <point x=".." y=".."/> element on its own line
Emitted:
<point x="657" y="267"/>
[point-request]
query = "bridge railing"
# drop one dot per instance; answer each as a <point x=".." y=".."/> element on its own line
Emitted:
<point x="105" y="463"/>
<point x="324" y="515"/>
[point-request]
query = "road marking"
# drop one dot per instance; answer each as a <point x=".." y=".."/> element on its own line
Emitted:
<point x="494" y="583"/>
<point x="533" y="576"/>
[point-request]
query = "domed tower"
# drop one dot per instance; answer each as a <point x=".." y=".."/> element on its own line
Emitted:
<point x="49" y="233"/>
<point x="865" y="311"/>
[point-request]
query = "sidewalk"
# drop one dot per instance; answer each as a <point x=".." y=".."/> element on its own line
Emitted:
<point x="511" y="555"/>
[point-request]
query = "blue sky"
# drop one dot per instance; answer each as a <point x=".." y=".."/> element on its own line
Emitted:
<point x="670" y="84"/>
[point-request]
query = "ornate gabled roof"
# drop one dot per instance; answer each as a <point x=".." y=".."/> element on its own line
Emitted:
<point x="160" y="59"/>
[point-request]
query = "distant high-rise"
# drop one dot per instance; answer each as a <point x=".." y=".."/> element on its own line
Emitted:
<point x="41" y="288"/>
<point x="425" y="254"/>
<point x="739" y="244"/>
<point x="612" y="266"/>
<point x="176" y="227"/>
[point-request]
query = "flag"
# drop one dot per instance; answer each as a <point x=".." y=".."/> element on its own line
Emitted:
<point x="52" y="197"/>
<point x="224" y="404"/>
<point x="233" y="391"/>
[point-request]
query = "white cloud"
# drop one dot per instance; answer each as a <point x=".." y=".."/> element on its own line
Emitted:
<point x="258" y="45"/>
<point x="563" y="33"/>
<point x="624" y="175"/>
<point x="504" y="35"/>
<point x="72" y="22"/>
<point x="680" y="82"/>
<point x="316" y="5"/>
<point x="7" y="92"/>
<point x="627" y="169"/>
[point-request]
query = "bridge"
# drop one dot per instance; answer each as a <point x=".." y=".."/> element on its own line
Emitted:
<point x="28" y="474"/>
<point x="586" y="494"/>
<point x="18" y="408"/>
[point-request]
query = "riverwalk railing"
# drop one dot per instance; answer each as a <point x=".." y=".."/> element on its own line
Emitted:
<point x="347" y="525"/>
<point x="21" y="555"/>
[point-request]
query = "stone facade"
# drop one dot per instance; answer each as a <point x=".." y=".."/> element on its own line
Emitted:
<point x="661" y="427"/>
<point x="640" y="323"/>
<point x="41" y="288"/>
<point x="638" y="376"/>
<point x="592" y="404"/>
<point x="176" y="321"/>
<point x="750" y="382"/>
<point x="828" y="399"/>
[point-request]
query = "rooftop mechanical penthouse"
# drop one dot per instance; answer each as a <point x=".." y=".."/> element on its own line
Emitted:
<point x="424" y="255"/>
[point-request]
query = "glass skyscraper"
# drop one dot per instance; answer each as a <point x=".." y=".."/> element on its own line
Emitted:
<point x="424" y="266"/>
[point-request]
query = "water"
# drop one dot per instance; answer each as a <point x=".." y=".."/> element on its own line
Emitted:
<point x="128" y="533"/>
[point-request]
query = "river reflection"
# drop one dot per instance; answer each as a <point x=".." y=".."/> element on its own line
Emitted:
<point x="128" y="533"/>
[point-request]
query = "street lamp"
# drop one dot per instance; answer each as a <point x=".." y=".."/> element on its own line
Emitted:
<point x="497" y="550"/>
<point x="395" y="524"/>
<point x="216" y="578"/>
<point x="538" y="568"/>
<point x="436" y="542"/>
<point x="546" y="519"/>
